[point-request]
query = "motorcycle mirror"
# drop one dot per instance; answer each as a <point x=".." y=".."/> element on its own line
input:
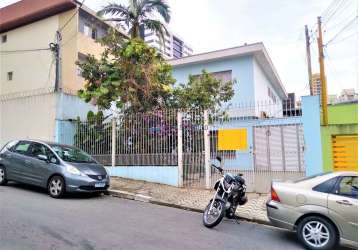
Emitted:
<point x="218" y="158"/>
<point x="241" y="174"/>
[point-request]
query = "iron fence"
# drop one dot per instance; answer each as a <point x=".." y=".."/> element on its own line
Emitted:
<point x="147" y="139"/>
<point x="189" y="139"/>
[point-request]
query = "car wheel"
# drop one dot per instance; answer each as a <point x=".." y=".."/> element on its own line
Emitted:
<point x="317" y="233"/>
<point x="3" y="179"/>
<point x="56" y="187"/>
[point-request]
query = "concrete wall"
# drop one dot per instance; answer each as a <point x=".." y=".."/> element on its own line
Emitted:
<point x="163" y="175"/>
<point x="312" y="136"/>
<point x="30" y="117"/>
<point x="342" y="120"/>
<point x="345" y="113"/>
<point x="69" y="107"/>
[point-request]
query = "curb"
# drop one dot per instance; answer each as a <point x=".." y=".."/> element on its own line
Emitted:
<point x="148" y="199"/>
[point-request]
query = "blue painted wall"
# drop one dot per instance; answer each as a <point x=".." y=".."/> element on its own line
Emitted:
<point x="242" y="71"/>
<point x="165" y="174"/>
<point x="69" y="107"/>
<point x="312" y="134"/>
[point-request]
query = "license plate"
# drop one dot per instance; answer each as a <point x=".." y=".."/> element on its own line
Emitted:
<point x="99" y="185"/>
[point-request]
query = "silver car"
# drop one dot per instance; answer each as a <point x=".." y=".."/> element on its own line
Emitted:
<point x="59" y="168"/>
<point x="322" y="209"/>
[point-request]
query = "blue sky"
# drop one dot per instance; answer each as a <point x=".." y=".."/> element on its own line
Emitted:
<point x="217" y="24"/>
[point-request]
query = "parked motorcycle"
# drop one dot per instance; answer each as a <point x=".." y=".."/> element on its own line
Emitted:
<point x="230" y="192"/>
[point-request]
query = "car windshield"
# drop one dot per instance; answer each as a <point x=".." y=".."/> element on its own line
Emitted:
<point x="72" y="154"/>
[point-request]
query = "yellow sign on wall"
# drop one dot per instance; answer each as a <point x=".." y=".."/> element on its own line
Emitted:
<point x="345" y="152"/>
<point x="232" y="139"/>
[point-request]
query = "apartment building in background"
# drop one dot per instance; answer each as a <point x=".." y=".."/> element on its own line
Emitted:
<point x="32" y="101"/>
<point x="171" y="47"/>
<point x="347" y="95"/>
<point x="316" y="84"/>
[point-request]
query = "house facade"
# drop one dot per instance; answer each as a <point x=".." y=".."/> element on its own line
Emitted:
<point x="32" y="102"/>
<point x="256" y="79"/>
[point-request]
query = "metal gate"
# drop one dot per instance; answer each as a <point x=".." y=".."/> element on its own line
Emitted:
<point x="278" y="154"/>
<point x="193" y="148"/>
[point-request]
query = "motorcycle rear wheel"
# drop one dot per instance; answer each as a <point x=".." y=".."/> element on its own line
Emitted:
<point x="217" y="213"/>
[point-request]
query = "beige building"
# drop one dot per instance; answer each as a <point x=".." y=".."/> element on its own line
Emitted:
<point x="32" y="103"/>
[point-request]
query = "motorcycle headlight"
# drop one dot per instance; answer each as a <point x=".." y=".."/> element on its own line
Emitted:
<point x="74" y="170"/>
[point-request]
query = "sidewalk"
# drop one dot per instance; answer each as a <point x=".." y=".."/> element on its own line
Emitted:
<point x="185" y="198"/>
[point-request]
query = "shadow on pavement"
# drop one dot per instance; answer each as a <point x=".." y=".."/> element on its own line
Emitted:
<point x="43" y="191"/>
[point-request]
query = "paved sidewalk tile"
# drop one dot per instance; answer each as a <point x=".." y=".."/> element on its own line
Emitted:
<point x="190" y="198"/>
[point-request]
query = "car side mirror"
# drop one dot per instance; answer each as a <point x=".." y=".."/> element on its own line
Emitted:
<point x="42" y="157"/>
<point x="218" y="158"/>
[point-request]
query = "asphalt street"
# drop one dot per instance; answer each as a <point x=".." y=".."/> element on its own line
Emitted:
<point x="30" y="219"/>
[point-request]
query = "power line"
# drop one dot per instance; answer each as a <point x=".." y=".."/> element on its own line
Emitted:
<point x="342" y="21"/>
<point x="343" y="39"/>
<point x="329" y="8"/>
<point x="341" y="30"/>
<point x="23" y="50"/>
<point x="335" y="11"/>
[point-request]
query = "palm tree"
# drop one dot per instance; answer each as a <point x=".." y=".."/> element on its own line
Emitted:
<point x="137" y="14"/>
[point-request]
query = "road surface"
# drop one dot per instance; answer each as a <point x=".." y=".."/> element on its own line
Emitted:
<point x="30" y="219"/>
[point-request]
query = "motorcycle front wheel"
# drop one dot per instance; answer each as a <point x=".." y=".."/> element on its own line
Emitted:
<point x="215" y="216"/>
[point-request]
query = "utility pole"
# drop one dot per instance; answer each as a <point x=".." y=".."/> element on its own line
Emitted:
<point x="55" y="48"/>
<point x="322" y="73"/>
<point x="309" y="65"/>
<point x="58" y="64"/>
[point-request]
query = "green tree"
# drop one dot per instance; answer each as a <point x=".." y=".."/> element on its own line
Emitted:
<point x="202" y="91"/>
<point x="130" y="74"/>
<point x="138" y="14"/>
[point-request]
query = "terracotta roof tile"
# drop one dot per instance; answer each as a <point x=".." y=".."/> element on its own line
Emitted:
<point x="28" y="11"/>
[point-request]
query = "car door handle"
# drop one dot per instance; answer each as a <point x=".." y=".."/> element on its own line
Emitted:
<point x="344" y="202"/>
<point x="27" y="162"/>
